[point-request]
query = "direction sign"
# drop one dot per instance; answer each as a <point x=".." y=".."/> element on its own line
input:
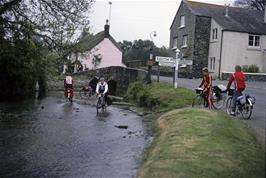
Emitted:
<point x="164" y="59"/>
<point x="168" y="64"/>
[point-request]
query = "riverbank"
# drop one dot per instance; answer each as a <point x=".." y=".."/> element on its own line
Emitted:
<point x="193" y="142"/>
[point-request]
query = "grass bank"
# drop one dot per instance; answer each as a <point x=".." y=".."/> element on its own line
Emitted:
<point x="193" y="142"/>
<point x="159" y="97"/>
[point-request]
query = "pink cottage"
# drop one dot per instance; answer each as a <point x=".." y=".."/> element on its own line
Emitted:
<point x="103" y="51"/>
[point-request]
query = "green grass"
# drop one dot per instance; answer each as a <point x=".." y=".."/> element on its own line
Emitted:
<point x="203" y="143"/>
<point x="159" y="97"/>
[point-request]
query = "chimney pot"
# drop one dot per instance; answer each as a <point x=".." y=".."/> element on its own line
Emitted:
<point x="226" y="10"/>
<point x="106" y="29"/>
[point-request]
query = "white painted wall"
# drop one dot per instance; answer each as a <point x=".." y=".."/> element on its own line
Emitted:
<point x="235" y="51"/>
<point x="263" y="47"/>
<point x="215" y="46"/>
<point x="111" y="55"/>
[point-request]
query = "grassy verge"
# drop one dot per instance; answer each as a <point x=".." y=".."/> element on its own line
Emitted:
<point x="203" y="143"/>
<point x="193" y="142"/>
<point x="159" y="97"/>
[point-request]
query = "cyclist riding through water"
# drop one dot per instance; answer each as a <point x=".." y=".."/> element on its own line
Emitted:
<point x="207" y="85"/>
<point x="239" y="80"/>
<point x="102" y="88"/>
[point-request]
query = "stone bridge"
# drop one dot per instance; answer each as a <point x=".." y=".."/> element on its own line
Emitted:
<point x="118" y="77"/>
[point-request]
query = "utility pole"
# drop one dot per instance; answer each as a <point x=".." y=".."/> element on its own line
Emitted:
<point x="150" y="61"/>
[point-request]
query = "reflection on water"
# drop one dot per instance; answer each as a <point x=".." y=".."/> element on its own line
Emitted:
<point x="54" y="138"/>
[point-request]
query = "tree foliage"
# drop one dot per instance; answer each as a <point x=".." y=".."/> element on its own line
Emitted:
<point x="141" y="49"/>
<point x="35" y="35"/>
<point x="253" y="4"/>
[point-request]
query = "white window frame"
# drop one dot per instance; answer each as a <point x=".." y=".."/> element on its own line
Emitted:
<point x="182" y="21"/>
<point x="184" y="41"/>
<point x="254" y="41"/>
<point x="212" y="61"/>
<point x="175" y="42"/>
<point x="214" y="34"/>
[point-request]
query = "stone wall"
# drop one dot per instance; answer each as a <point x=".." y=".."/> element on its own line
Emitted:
<point x="201" y="45"/>
<point x="249" y="76"/>
<point x="123" y="76"/>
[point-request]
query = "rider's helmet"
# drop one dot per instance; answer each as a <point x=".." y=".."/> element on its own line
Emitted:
<point x="102" y="79"/>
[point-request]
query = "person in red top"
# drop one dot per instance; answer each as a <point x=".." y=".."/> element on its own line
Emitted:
<point x="239" y="79"/>
<point x="207" y="85"/>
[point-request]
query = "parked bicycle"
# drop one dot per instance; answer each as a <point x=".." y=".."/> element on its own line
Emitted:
<point x="86" y="91"/>
<point x="244" y="104"/>
<point x="218" y="97"/>
<point x="101" y="105"/>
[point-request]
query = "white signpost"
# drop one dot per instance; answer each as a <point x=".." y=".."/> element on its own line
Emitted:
<point x="170" y="62"/>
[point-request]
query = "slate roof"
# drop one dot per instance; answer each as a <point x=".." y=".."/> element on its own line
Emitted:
<point x="239" y="19"/>
<point x="96" y="39"/>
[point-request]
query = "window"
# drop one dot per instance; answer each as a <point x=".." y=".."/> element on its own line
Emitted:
<point x="212" y="64"/>
<point x="175" y="42"/>
<point x="184" y="41"/>
<point x="254" y="40"/>
<point x="214" y="33"/>
<point x="182" y="21"/>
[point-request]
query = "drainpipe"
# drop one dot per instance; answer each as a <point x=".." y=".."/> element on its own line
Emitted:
<point x="221" y="51"/>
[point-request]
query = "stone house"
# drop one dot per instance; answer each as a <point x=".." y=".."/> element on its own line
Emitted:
<point x="219" y="37"/>
<point x="101" y="51"/>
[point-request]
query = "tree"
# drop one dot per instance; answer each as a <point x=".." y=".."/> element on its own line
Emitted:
<point x="253" y="4"/>
<point x="140" y="50"/>
<point x="35" y="35"/>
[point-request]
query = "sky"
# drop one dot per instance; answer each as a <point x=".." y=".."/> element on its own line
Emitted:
<point x="133" y="20"/>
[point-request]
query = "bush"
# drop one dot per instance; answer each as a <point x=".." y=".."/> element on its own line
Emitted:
<point x="253" y="68"/>
<point x="161" y="96"/>
<point x="245" y="68"/>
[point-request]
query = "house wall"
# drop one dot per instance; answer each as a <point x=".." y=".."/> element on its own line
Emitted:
<point x="109" y="53"/>
<point x="263" y="48"/>
<point x="178" y="32"/>
<point x="215" y="47"/>
<point x="235" y="51"/>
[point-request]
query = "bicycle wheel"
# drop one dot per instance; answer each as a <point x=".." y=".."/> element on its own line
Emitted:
<point x="198" y="101"/>
<point x="229" y="105"/>
<point x="217" y="100"/>
<point x="246" y="111"/>
<point x="98" y="105"/>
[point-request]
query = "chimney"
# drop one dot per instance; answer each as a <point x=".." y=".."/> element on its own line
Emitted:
<point x="226" y="10"/>
<point x="106" y="29"/>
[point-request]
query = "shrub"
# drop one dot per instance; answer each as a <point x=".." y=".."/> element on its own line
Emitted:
<point x="253" y="68"/>
<point x="245" y="68"/>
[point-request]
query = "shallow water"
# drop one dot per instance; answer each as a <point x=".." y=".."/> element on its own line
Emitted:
<point x="54" y="138"/>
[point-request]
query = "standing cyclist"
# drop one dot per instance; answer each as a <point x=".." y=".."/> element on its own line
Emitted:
<point x="102" y="88"/>
<point x="239" y="79"/>
<point x="207" y="85"/>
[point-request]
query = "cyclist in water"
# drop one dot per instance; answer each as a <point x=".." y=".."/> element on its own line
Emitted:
<point x="207" y="86"/>
<point x="102" y="88"/>
<point x="239" y="80"/>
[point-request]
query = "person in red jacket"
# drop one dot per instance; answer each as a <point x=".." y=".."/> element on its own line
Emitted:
<point x="239" y="80"/>
<point x="207" y="85"/>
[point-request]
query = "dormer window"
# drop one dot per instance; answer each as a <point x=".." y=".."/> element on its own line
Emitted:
<point x="254" y="40"/>
<point x="182" y="21"/>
